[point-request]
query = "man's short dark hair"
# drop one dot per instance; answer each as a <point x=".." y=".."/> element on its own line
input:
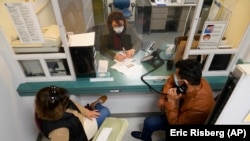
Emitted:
<point x="190" y="70"/>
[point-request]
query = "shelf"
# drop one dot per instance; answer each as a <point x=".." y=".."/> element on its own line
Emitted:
<point x="212" y="51"/>
<point x="173" y="4"/>
<point x="41" y="55"/>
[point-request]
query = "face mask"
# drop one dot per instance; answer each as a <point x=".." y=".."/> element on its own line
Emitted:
<point x="118" y="29"/>
<point x="176" y="80"/>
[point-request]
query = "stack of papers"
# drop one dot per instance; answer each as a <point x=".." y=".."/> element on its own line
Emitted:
<point x="80" y="40"/>
<point x="127" y="67"/>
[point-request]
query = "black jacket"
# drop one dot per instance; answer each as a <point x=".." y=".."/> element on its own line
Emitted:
<point x="76" y="131"/>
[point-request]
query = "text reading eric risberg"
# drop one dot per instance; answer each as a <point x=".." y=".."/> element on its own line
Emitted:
<point x="229" y="133"/>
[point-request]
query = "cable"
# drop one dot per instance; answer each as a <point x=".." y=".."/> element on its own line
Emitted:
<point x="149" y="86"/>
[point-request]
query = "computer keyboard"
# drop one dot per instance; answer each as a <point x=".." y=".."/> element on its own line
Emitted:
<point x="147" y="44"/>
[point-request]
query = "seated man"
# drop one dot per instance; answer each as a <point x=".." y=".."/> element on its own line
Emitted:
<point x="187" y="99"/>
<point x="118" y="36"/>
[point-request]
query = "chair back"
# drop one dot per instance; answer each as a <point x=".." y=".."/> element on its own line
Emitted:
<point x="121" y="4"/>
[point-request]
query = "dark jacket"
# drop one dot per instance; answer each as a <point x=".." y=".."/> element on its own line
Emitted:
<point x="76" y="131"/>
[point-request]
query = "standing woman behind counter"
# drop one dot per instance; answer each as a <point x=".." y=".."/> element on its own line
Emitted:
<point x="118" y="36"/>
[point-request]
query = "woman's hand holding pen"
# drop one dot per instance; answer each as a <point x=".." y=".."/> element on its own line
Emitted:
<point x="120" y="57"/>
<point x="130" y="53"/>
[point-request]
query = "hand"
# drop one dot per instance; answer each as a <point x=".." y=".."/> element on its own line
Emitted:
<point x="93" y="114"/>
<point x="130" y="53"/>
<point x="119" y="57"/>
<point x="160" y="103"/>
<point x="172" y="94"/>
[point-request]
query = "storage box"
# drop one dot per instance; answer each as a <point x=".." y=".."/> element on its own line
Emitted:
<point x="180" y="43"/>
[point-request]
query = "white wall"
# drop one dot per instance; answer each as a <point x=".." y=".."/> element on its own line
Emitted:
<point x="245" y="43"/>
<point x="16" y="118"/>
<point x="237" y="106"/>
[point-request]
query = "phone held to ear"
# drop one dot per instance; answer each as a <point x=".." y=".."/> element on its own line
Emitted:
<point x="181" y="89"/>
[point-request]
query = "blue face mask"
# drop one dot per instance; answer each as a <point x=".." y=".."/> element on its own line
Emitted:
<point x="176" y="80"/>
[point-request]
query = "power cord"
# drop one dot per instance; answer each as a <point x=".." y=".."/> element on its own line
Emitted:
<point x="156" y="62"/>
<point x="149" y="86"/>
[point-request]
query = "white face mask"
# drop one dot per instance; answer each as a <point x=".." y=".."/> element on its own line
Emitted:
<point x="118" y="29"/>
<point x="176" y="80"/>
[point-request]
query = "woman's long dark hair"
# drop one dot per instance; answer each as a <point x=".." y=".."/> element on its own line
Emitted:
<point x="116" y="16"/>
<point x="51" y="103"/>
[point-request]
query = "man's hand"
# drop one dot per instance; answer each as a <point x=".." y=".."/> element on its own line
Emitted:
<point x="172" y="94"/>
<point x="160" y="103"/>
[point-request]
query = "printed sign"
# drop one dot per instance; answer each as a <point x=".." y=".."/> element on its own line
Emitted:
<point x="25" y="22"/>
<point x="212" y="34"/>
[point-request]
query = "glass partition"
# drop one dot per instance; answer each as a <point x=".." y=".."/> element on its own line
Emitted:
<point x="32" y="68"/>
<point x="35" y="26"/>
<point x="157" y="24"/>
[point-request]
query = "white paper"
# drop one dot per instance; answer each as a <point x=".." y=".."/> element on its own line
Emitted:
<point x="102" y="66"/>
<point x="84" y="39"/>
<point x="25" y="21"/>
<point x="213" y="12"/>
<point x="127" y="67"/>
<point x="103" y="136"/>
<point x="90" y="127"/>
<point x="212" y="34"/>
<point x="101" y="79"/>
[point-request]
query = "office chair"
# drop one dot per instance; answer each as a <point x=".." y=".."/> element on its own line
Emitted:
<point x="123" y="6"/>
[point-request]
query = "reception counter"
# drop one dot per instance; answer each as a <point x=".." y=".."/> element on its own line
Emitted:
<point x="120" y="84"/>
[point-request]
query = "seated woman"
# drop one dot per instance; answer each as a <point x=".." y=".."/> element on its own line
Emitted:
<point x="62" y="119"/>
<point x="118" y="36"/>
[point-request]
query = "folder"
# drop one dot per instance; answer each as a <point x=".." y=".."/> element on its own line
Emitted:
<point x="118" y="125"/>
